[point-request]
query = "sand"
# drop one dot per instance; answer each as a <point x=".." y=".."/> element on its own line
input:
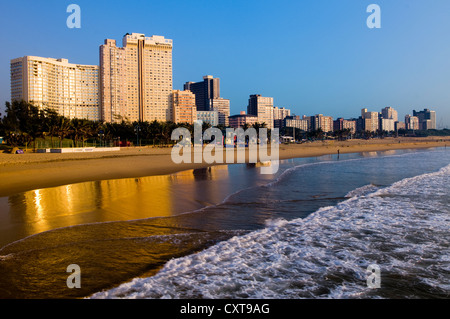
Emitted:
<point x="24" y="172"/>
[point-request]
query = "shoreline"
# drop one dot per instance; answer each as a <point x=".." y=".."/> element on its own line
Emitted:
<point x="26" y="172"/>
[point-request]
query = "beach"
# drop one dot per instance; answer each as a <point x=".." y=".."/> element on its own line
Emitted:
<point x="311" y="230"/>
<point x="24" y="172"/>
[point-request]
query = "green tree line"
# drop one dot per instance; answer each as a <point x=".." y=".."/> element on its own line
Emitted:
<point x="25" y="123"/>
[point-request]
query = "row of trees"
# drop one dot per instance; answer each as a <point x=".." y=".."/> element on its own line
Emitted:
<point x="25" y="123"/>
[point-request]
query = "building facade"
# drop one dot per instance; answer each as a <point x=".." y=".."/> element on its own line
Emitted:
<point x="69" y="89"/>
<point x="205" y="92"/>
<point x="340" y="124"/>
<point x="242" y="120"/>
<point x="389" y="113"/>
<point x="411" y="122"/>
<point x="210" y="117"/>
<point x="370" y="121"/>
<point x="296" y="122"/>
<point x="325" y="123"/>
<point x="262" y="108"/>
<point x="222" y="106"/>
<point x="387" y="125"/>
<point x="136" y="79"/>
<point x="183" y="107"/>
<point x="427" y="119"/>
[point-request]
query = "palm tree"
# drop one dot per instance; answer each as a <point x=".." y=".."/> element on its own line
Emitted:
<point x="62" y="129"/>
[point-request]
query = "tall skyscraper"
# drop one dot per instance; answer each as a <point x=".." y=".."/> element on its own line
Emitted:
<point x="204" y="91"/>
<point x="69" y="89"/>
<point x="183" y="106"/>
<point x="427" y="119"/>
<point x="262" y="108"/>
<point x="136" y="80"/>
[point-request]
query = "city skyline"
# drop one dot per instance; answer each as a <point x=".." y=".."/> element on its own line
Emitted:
<point x="306" y="76"/>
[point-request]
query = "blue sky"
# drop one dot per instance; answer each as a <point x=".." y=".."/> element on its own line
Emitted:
<point x="312" y="56"/>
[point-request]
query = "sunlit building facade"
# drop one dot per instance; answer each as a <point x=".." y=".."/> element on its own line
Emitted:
<point x="69" y="89"/>
<point x="136" y="80"/>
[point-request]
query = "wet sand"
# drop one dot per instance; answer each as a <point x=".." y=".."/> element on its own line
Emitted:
<point x="24" y="172"/>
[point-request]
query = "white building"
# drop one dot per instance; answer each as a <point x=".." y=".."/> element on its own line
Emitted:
<point x="70" y="89"/>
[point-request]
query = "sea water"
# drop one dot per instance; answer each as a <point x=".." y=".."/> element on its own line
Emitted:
<point x="310" y="231"/>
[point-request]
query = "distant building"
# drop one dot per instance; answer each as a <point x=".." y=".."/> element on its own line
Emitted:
<point x="211" y="117"/>
<point x="340" y="124"/>
<point x="262" y="108"/>
<point x="72" y="90"/>
<point x="370" y="120"/>
<point x="389" y="113"/>
<point x="427" y="119"/>
<point x="411" y="122"/>
<point x="280" y="113"/>
<point x="400" y="126"/>
<point x="183" y="106"/>
<point x="296" y="122"/>
<point x="325" y="123"/>
<point x="204" y="91"/>
<point x="387" y="124"/>
<point x="241" y="120"/>
<point x="223" y="107"/>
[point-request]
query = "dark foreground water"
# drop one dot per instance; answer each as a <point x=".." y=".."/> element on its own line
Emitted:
<point x="309" y="231"/>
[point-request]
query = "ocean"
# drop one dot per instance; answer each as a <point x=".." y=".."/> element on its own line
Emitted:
<point x="312" y="230"/>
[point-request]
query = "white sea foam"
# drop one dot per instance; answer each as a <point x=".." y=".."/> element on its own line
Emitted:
<point x="362" y="191"/>
<point x="402" y="228"/>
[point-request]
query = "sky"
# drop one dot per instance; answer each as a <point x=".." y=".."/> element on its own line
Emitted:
<point x="311" y="56"/>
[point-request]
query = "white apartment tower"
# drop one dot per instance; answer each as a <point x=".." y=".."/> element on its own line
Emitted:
<point x="69" y="89"/>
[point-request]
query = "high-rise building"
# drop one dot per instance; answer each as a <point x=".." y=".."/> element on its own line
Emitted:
<point x="262" y="108"/>
<point x="136" y="80"/>
<point x="389" y="113"/>
<point x="69" y="89"/>
<point x="204" y="91"/>
<point x="222" y="106"/>
<point x="370" y="120"/>
<point x="183" y="106"/>
<point x="427" y="119"/>
<point x="280" y="113"/>
<point x="411" y="122"/>
<point x="325" y="123"/>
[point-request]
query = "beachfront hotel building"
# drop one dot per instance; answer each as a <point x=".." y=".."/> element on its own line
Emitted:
<point x="222" y="106"/>
<point x="69" y="89"/>
<point x="411" y="122"/>
<point x="389" y="113"/>
<point x="297" y="122"/>
<point x="325" y="123"/>
<point x="262" y="108"/>
<point x="370" y="120"/>
<point x="427" y="119"/>
<point x="242" y="120"/>
<point x="210" y="117"/>
<point x="342" y="124"/>
<point x="136" y="79"/>
<point x="183" y="106"/>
